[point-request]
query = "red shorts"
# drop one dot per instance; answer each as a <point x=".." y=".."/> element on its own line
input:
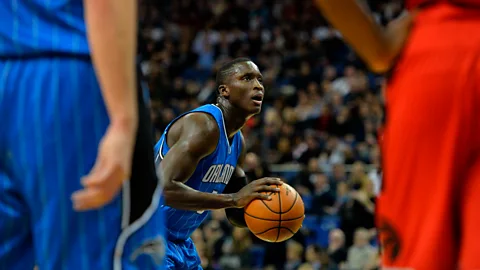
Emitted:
<point x="429" y="209"/>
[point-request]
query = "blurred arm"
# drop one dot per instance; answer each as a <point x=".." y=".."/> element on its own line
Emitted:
<point x="376" y="46"/>
<point x="112" y="36"/>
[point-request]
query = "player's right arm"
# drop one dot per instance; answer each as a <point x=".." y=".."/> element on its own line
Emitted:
<point x="378" y="47"/>
<point x="112" y="36"/>
<point x="192" y="138"/>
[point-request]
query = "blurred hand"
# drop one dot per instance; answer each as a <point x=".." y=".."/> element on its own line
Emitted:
<point x="111" y="169"/>
<point x="254" y="191"/>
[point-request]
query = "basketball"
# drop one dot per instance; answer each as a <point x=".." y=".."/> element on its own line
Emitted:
<point x="276" y="220"/>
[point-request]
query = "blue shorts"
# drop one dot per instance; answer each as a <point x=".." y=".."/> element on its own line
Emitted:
<point x="53" y="117"/>
<point x="182" y="254"/>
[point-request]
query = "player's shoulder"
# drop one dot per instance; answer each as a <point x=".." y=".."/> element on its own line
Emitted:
<point x="201" y="123"/>
<point x="199" y="132"/>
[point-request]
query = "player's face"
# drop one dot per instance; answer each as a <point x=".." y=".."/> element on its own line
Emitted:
<point x="246" y="88"/>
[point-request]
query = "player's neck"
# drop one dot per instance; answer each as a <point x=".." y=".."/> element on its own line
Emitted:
<point x="234" y="119"/>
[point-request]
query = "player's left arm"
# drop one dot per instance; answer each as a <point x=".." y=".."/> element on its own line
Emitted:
<point x="376" y="45"/>
<point x="236" y="215"/>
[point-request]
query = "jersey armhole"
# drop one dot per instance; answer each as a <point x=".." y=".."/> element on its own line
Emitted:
<point x="240" y="144"/>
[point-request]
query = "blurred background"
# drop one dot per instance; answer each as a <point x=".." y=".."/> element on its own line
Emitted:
<point x="318" y="129"/>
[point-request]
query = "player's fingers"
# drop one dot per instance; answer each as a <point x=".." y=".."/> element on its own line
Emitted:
<point x="98" y="173"/>
<point x="88" y="199"/>
<point x="108" y="177"/>
<point x="272" y="181"/>
<point x="91" y="179"/>
<point x="263" y="196"/>
<point x="267" y="188"/>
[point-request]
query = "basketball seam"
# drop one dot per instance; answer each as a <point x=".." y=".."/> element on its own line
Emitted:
<point x="288" y="229"/>
<point x="269" y="207"/>
<point x="278" y="228"/>
<point x="279" y="217"/>
<point x="293" y="204"/>
<point x="266" y="219"/>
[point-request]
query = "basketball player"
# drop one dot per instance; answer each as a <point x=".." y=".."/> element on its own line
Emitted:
<point x="201" y="153"/>
<point x="70" y="114"/>
<point x="428" y="210"/>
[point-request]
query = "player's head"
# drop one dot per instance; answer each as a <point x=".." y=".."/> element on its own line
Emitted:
<point x="240" y="83"/>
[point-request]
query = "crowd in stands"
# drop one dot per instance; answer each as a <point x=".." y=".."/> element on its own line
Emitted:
<point x="318" y="129"/>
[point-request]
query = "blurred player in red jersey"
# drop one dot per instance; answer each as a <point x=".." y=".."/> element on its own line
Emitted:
<point x="428" y="212"/>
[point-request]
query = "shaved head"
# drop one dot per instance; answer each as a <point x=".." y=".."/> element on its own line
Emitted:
<point x="227" y="69"/>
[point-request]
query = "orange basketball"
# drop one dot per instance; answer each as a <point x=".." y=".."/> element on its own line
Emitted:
<point x="276" y="220"/>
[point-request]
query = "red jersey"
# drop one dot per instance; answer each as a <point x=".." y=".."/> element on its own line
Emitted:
<point x="467" y="3"/>
<point x="425" y="205"/>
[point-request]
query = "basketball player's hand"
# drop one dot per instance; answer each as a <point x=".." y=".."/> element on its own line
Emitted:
<point x="254" y="191"/>
<point x="111" y="169"/>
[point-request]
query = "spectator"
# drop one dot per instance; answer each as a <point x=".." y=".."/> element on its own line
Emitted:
<point x="324" y="198"/>
<point x="235" y="251"/>
<point x="306" y="266"/>
<point x="313" y="256"/>
<point x="357" y="212"/>
<point x="294" y="255"/>
<point x="337" y="252"/>
<point x="254" y="167"/>
<point x="360" y="254"/>
<point x="213" y="237"/>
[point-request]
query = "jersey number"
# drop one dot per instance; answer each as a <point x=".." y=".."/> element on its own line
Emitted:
<point x="201" y="212"/>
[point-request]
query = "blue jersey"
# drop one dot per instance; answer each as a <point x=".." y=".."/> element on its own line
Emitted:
<point x="53" y="119"/>
<point x="33" y="27"/>
<point x="211" y="175"/>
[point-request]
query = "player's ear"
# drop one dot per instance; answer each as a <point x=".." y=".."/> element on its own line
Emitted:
<point x="224" y="91"/>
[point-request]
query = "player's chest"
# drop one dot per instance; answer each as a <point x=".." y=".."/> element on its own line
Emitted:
<point x="214" y="177"/>
<point x="218" y="173"/>
<point x="217" y="169"/>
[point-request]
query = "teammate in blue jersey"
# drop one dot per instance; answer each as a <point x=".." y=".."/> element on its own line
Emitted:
<point x="201" y="154"/>
<point x="71" y="120"/>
